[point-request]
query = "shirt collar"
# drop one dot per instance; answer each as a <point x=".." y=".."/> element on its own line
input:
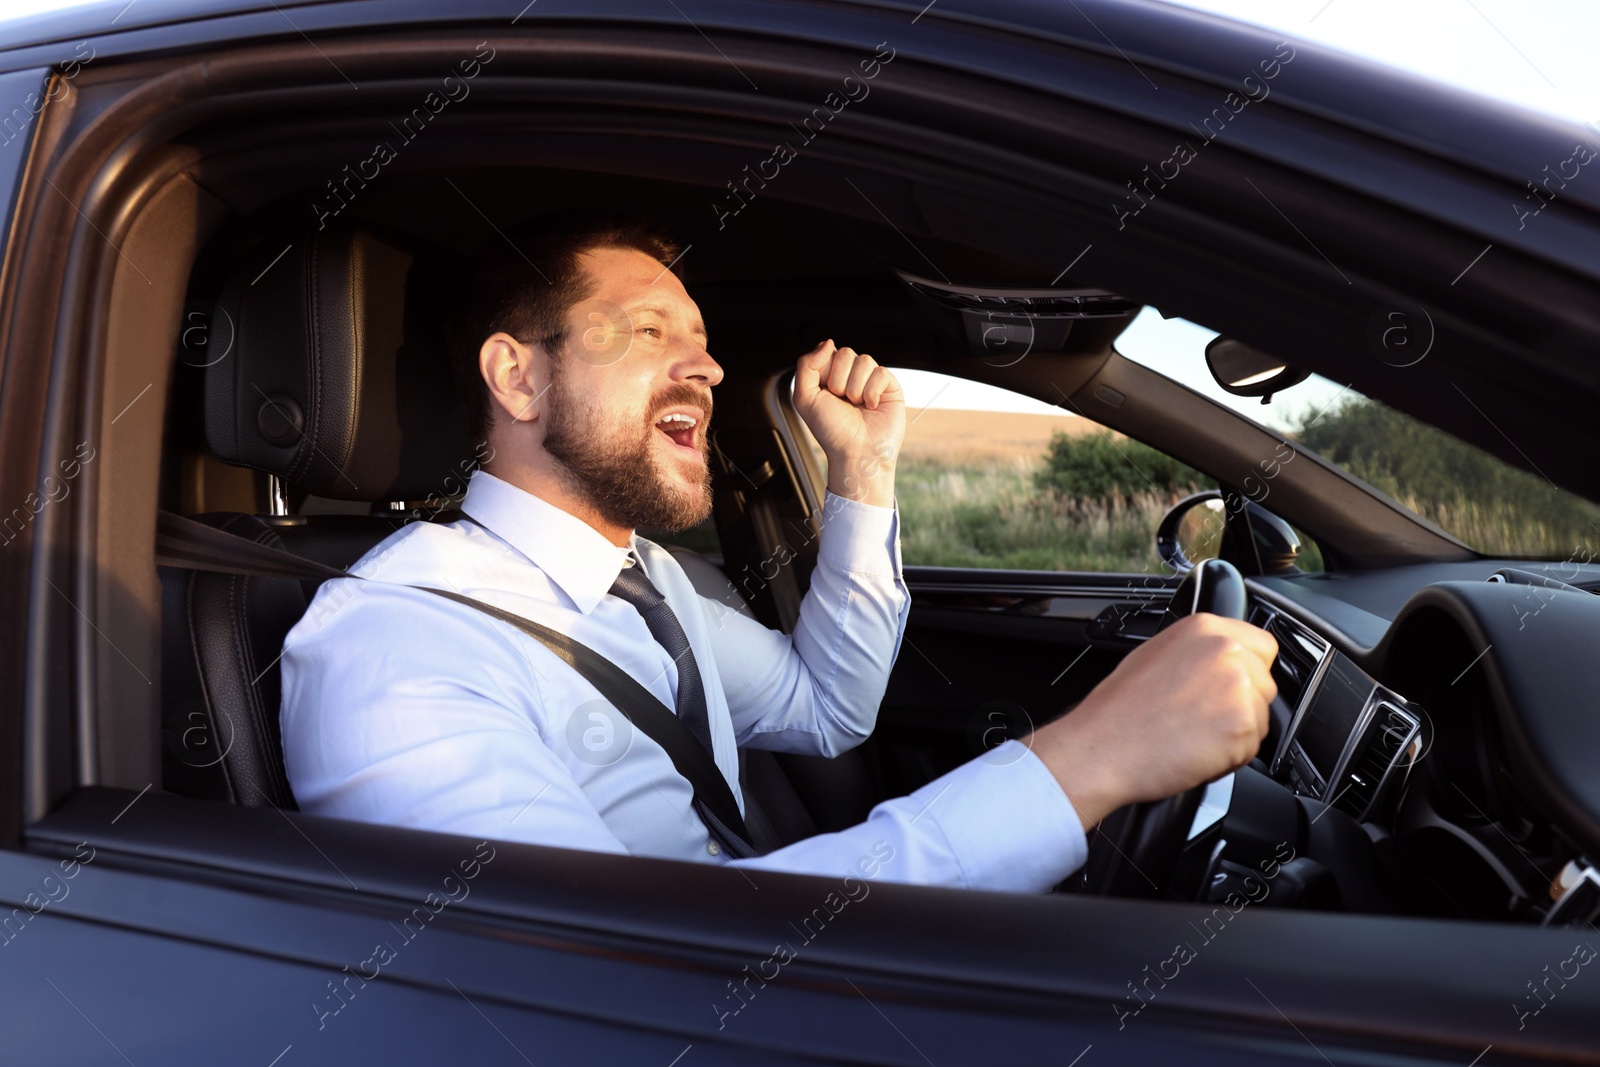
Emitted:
<point x="575" y="556"/>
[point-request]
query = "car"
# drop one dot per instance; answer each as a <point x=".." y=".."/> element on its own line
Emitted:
<point x="235" y="233"/>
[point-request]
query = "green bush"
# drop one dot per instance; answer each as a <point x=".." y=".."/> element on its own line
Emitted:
<point x="1100" y="469"/>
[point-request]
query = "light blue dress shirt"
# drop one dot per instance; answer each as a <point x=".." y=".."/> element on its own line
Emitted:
<point x="404" y="708"/>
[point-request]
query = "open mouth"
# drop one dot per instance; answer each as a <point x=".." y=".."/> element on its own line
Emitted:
<point x="680" y="429"/>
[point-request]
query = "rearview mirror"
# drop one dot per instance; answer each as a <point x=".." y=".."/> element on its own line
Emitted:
<point x="1246" y="371"/>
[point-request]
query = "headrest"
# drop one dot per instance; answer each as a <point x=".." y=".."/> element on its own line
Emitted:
<point x="338" y="380"/>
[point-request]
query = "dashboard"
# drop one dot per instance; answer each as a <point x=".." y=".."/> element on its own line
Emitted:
<point x="1456" y="735"/>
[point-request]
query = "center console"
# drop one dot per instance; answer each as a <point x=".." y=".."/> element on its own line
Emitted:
<point x="1344" y="742"/>
<point x="1350" y="741"/>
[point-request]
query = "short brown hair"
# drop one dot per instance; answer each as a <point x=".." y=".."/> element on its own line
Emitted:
<point x="525" y="283"/>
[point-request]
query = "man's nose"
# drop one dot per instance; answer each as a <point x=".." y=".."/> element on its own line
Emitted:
<point x="694" y="364"/>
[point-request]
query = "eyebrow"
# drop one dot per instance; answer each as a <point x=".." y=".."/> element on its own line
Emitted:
<point x="698" y="326"/>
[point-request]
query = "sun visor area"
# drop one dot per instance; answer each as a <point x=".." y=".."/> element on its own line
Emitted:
<point x="1013" y="322"/>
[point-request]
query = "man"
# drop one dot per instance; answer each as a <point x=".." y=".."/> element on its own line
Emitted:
<point x="586" y="372"/>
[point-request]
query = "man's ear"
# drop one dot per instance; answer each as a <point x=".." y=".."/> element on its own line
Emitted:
<point x="517" y="375"/>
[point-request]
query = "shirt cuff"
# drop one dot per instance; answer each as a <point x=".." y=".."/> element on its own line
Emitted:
<point x="1007" y="821"/>
<point x="860" y="538"/>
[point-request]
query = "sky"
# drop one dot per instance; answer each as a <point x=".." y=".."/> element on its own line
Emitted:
<point x="1538" y="54"/>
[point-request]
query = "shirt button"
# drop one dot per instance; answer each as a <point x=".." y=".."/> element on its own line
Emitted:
<point x="711" y="847"/>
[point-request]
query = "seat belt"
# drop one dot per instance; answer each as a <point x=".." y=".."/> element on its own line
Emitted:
<point x="190" y="545"/>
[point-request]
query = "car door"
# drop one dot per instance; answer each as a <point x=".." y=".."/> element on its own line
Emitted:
<point x="153" y="928"/>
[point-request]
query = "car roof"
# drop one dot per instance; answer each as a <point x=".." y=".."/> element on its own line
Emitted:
<point x="1449" y="122"/>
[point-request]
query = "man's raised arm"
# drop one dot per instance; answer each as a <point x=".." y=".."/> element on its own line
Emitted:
<point x="819" y="690"/>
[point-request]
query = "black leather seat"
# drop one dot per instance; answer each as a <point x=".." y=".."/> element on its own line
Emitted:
<point x="337" y="385"/>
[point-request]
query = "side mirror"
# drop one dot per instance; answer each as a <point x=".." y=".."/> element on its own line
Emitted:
<point x="1196" y="529"/>
<point x="1191" y="532"/>
<point x="1246" y="371"/>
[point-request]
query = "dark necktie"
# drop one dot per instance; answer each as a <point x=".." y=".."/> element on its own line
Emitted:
<point x="631" y="585"/>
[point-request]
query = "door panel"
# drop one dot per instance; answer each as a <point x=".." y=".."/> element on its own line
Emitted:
<point x="991" y="654"/>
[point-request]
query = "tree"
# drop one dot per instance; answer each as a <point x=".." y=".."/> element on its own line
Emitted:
<point x="1490" y="504"/>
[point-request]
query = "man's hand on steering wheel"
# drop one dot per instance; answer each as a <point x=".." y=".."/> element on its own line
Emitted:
<point x="1185" y="707"/>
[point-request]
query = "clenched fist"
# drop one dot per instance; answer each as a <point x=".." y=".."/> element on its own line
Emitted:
<point x="857" y="412"/>
<point x="1185" y="707"/>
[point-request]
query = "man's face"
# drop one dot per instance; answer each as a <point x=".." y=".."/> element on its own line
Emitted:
<point x="630" y="395"/>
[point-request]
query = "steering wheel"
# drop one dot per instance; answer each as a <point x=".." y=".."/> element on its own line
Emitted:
<point x="1136" y="851"/>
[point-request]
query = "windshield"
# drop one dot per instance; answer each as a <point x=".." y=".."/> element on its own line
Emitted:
<point x="1490" y="505"/>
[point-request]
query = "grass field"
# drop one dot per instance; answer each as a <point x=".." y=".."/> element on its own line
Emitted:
<point x="979" y="438"/>
<point x="967" y="498"/>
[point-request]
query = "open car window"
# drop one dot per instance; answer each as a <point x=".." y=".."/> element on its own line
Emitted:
<point x="989" y="477"/>
<point x="992" y="478"/>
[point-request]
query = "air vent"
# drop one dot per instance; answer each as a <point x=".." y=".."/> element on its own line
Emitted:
<point x="1299" y="652"/>
<point x="1382" y="747"/>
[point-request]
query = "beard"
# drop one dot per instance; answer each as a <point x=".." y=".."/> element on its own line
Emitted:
<point x="617" y="468"/>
